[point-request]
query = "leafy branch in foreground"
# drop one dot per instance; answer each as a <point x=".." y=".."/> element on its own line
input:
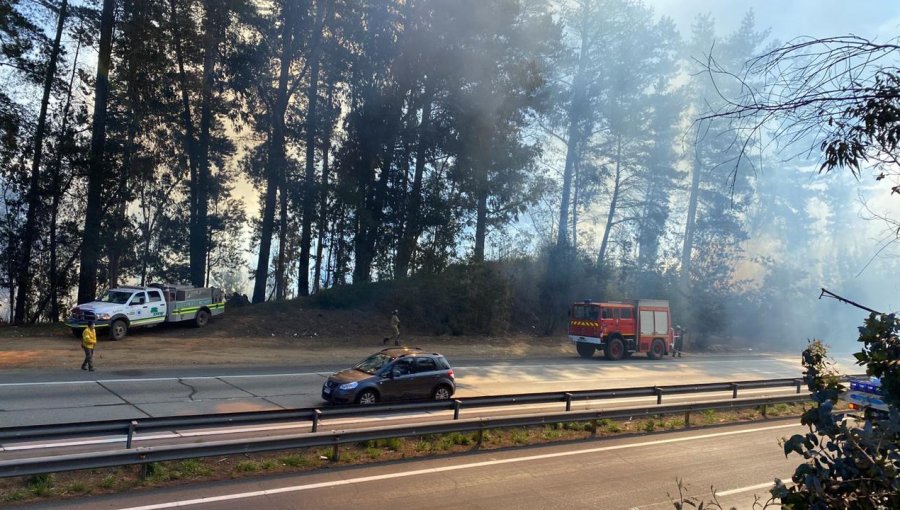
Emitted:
<point x="850" y="462"/>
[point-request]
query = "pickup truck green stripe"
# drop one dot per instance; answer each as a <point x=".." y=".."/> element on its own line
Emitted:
<point x="195" y="308"/>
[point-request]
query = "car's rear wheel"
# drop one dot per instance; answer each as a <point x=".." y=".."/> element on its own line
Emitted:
<point x="585" y="350"/>
<point x="118" y="329"/>
<point x="657" y="349"/>
<point x="367" y="397"/>
<point x="615" y="349"/>
<point x="442" y="392"/>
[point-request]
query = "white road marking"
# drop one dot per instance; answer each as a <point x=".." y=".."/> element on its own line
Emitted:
<point x="767" y="485"/>
<point x="407" y="474"/>
<point x="295" y="374"/>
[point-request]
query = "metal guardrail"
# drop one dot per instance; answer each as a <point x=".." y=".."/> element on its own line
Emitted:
<point x="142" y="455"/>
<point x="130" y="426"/>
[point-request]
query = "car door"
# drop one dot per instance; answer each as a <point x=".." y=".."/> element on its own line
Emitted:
<point x="426" y="378"/>
<point x="157" y="305"/>
<point x="137" y="307"/>
<point x="396" y="380"/>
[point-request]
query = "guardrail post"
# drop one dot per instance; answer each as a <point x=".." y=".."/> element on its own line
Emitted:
<point x="457" y="404"/>
<point x="593" y="428"/>
<point x="734" y="388"/>
<point x="131" y="427"/>
<point x="336" y="452"/>
<point x="568" y="402"/>
<point x="799" y="383"/>
<point x="687" y="419"/>
<point x="765" y="408"/>
<point x="479" y="438"/>
<point x="315" y="420"/>
<point x="659" y="393"/>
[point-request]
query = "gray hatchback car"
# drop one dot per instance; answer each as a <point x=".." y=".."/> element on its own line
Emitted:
<point x="392" y="374"/>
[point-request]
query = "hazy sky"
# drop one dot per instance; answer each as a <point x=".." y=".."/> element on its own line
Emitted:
<point x="792" y="18"/>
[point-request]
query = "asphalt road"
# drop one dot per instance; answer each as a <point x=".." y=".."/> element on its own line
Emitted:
<point x="39" y="397"/>
<point x="627" y="472"/>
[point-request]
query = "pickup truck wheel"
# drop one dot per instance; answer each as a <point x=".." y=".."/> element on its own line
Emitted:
<point x="585" y="350"/>
<point x="202" y="319"/>
<point x="657" y="349"/>
<point x="615" y="349"/>
<point x="118" y="329"/>
<point x="76" y="332"/>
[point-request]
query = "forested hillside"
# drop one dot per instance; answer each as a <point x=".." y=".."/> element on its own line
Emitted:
<point x="500" y="158"/>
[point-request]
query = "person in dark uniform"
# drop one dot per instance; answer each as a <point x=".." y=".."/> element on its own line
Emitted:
<point x="679" y="341"/>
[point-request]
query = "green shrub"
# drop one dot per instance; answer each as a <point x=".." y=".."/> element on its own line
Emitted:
<point x="40" y="485"/>
<point x="14" y="495"/>
<point x="295" y="461"/>
<point x="247" y="466"/>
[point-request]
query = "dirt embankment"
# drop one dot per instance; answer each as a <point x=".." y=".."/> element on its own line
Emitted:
<point x="271" y="335"/>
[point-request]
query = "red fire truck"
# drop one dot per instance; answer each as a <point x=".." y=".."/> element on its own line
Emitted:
<point x="621" y="328"/>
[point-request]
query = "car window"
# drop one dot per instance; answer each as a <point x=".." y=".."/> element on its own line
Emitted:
<point x="442" y="363"/>
<point x="373" y="363"/>
<point x="425" y="365"/>
<point x="606" y="313"/>
<point x="115" y="296"/>
<point x="626" y="313"/>
<point x="154" y="296"/>
<point x="403" y="366"/>
<point x="139" y="298"/>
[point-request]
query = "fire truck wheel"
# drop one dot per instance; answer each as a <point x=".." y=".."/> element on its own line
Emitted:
<point x="615" y="349"/>
<point x="585" y="350"/>
<point x="657" y="349"/>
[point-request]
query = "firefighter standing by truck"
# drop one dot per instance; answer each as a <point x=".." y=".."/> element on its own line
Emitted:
<point x="88" y="342"/>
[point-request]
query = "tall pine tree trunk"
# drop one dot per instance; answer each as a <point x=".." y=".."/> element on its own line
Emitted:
<point x="309" y="180"/>
<point x="688" y="245"/>
<point x="90" y="252"/>
<point x="412" y="226"/>
<point x="189" y="139"/>
<point x="480" y="225"/>
<point x="576" y="113"/>
<point x="199" y="236"/>
<point x="281" y="261"/>
<point x="323" y="197"/>
<point x="56" y="190"/>
<point x="610" y="218"/>
<point x="276" y="161"/>
<point x="34" y="192"/>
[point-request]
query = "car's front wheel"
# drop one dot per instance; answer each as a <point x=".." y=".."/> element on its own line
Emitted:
<point x="442" y="392"/>
<point x="367" y="397"/>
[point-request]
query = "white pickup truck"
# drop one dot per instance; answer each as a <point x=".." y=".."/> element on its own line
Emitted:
<point x="128" y="307"/>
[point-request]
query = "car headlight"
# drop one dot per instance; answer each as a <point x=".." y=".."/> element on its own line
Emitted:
<point x="349" y="385"/>
<point x="104" y="317"/>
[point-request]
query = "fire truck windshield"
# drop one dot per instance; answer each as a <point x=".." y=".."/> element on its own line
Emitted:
<point x="586" y="312"/>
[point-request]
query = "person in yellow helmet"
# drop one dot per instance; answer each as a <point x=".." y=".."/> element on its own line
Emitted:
<point x="88" y="341"/>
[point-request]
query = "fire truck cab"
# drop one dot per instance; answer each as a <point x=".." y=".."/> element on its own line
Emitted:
<point x="621" y="328"/>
